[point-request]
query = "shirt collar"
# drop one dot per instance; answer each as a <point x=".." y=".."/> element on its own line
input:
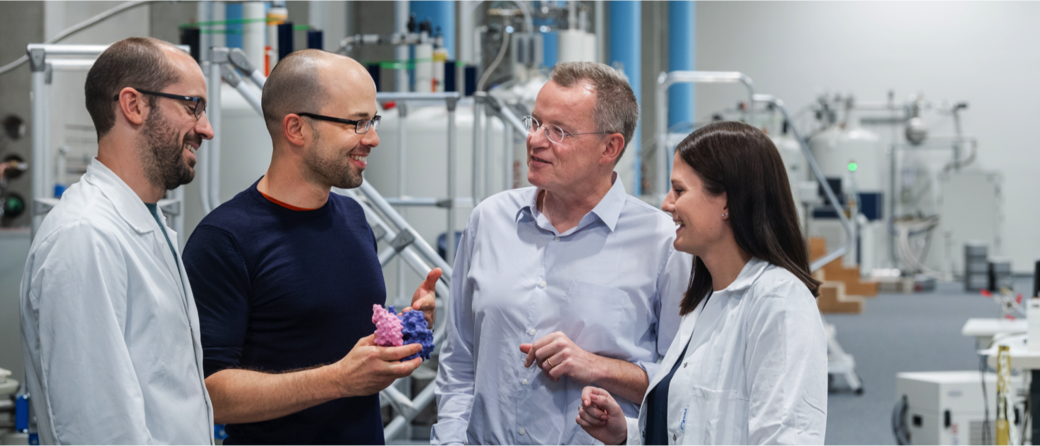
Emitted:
<point x="748" y="274"/>
<point x="608" y="210"/>
<point x="129" y="206"/>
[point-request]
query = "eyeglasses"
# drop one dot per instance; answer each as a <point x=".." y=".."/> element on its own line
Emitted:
<point x="552" y="132"/>
<point x="361" y="126"/>
<point x="197" y="110"/>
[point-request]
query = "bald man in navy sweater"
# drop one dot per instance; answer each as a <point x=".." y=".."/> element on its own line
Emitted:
<point x="285" y="274"/>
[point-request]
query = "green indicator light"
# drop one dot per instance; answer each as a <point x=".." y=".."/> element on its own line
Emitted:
<point x="852" y="167"/>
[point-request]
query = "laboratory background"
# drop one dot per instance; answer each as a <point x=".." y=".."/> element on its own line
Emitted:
<point x="907" y="130"/>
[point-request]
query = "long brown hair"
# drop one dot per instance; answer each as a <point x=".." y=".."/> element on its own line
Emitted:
<point x="741" y="161"/>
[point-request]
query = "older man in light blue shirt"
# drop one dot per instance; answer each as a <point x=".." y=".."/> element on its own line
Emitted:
<point x="569" y="283"/>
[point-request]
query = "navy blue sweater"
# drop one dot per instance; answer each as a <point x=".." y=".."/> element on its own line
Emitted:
<point x="280" y="290"/>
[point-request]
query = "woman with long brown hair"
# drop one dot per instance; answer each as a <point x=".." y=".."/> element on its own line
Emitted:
<point x="749" y="364"/>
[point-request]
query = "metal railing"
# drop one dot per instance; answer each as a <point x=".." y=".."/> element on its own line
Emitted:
<point x="44" y="60"/>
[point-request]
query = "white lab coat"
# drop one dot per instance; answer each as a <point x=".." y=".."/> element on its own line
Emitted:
<point x="755" y="371"/>
<point x="110" y="333"/>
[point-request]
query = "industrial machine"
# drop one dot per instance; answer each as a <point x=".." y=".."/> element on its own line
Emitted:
<point x="953" y="408"/>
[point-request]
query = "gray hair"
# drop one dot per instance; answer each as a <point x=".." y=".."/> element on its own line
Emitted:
<point x="616" y="108"/>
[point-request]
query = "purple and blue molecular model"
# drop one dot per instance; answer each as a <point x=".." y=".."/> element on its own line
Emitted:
<point x="408" y="328"/>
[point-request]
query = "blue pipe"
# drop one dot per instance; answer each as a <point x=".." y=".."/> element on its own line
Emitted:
<point x="681" y="38"/>
<point x="625" y="25"/>
<point x="441" y="14"/>
<point x="233" y="38"/>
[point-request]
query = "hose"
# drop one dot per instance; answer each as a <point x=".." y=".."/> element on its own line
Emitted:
<point x="899" y="421"/>
<point x="494" y="63"/>
<point x="75" y="29"/>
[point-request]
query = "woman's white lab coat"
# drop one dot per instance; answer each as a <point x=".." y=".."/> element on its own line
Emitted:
<point x="755" y="371"/>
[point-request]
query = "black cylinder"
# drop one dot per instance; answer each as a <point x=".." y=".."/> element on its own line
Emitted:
<point x="285" y="40"/>
<point x="450" y="72"/>
<point x="1036" y="279"/>
<point x="375" y="72"/>
<point x="192" y="37"/>
<point x="471" y="80"/>
<point x="315" y="39"/>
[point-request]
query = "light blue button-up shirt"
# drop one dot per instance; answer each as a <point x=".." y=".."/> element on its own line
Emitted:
<point x="612" y="284"/>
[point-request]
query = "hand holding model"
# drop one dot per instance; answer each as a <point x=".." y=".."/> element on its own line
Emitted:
<point x="402" y="329"/>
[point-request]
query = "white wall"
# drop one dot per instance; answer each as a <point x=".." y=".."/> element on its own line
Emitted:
<point x="980" y="52"/>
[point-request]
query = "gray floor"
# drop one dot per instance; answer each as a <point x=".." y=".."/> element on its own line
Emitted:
<point x="901" y="333"/>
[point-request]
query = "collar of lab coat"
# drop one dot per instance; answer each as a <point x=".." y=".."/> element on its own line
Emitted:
<point x="706" y="317"/>
<point x="129" y="206"/>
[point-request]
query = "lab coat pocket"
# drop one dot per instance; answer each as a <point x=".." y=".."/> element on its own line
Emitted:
<point x="716" y="417"/>
<point x="595" y="314"/>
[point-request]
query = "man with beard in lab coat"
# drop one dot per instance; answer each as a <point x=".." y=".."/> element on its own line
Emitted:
<point x="110" y="333"/>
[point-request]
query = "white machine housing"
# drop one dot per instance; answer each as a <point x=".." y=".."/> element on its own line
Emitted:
<point x="947" y="407"/>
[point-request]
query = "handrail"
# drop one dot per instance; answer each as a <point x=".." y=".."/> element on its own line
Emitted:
<point x="665" y="80"/>
<point x="845" y="223"/>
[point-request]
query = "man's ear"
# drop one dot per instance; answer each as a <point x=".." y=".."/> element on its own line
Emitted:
<point x="615" y="144"/>
<point x="133" y="106"/>
<point x="293" y="128"/>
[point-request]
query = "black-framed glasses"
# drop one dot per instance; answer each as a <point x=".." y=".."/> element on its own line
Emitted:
<point x="552" y="132"/>
<point x="361" y="126"/>
<point x="198" y="109"/>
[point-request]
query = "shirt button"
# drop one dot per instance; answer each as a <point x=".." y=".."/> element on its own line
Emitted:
<point x="522" y="431"/>
<point x="524" y="381"/>
<point x="531" y="332"/>
<point x="684" y="364"/>
<point x="557" y="238"/>
<point x="673" y="437"/>
<point x="542" y="284"/>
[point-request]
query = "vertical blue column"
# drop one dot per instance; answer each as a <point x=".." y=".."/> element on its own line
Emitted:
<point x="625" y="33"/>
<point x="233" y="38"/>
<point x="681" y="20"/>
<point x="440" y="13"/>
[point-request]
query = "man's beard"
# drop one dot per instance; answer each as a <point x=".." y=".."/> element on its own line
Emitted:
<point x="163" y="158"/>
<point x="330" y="171"/>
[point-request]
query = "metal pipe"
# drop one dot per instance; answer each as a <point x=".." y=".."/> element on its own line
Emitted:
<point x="68" y="50"/>
<point x="258" y="78"/>
<point x="402" y="134"/>
<point x="39" y="152"/>
<point x="465" y="32"/>
<point x="250" y="97"/>
<point x="204" y="12"/>
<point x="626" y="21"/>
<point x="71" y="64"/>
<point x="572" y="14"/>
<point x="601" y="20"/>
<point x="450" y="239"/>
<point x="202" y="167"/>
<point x="220" y="58"/>
<point x="478" y="106"/>
<point x="681" y="45"/>
<point x="414" y="97"/>
<point x="665" y="80"/>
<point x="232" y="78"/>
<point x="388" y="211"/>
<point x="401" y="10"/>
<point x="821" y="178"/>
<point x="507" y="158"/>
<point x="48" y="149"/>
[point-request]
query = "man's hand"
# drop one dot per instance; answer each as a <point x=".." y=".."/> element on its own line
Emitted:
<point x="425" y="296"/>
<point x="369" y="368"/>
<point x="601" y="416"/>
<point x="558" y="356"/>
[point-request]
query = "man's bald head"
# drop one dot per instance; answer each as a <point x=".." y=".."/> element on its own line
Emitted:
<point x="299" y="83"/>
